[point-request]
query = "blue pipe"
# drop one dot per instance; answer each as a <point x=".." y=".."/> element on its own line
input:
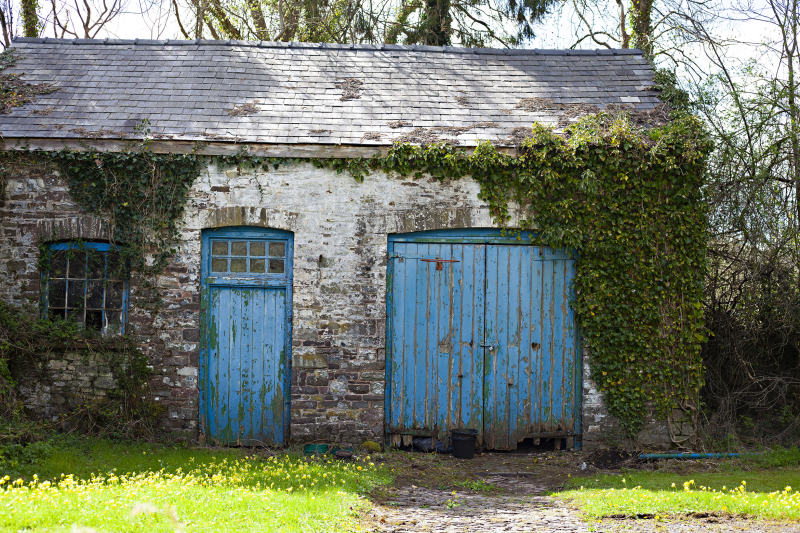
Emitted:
<point x="686" y="455"/>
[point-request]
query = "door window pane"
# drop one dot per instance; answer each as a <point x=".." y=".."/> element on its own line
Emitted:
<point x="277" y="249"/>
<point x="239" y="265"/>
<point x="257" y="266"/>
<point x="276" y="266"/>
<point x="257" y="248"/>
<point x="219" y="265"/>
<point x="238" y="248"/>
<point x="219" y="247"/>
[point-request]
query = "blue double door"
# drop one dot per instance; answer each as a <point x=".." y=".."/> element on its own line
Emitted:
<point x="246" y="302"/>
<point x="481" y="336"/>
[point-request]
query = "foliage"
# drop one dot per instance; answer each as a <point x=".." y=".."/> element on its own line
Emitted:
<point x="630" y="201"/>
<point x="27" y="343"/>
<point x="16" y="457"/>
<point x="424" y="22"/>
<point x="752" y="294"/>
<point x="189" y="489"/>
<point x="14" y="91"/>
<point x="30" y="19"/>
<point x="140" y="194"/>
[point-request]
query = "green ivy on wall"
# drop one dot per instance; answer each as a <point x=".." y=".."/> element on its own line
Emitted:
<point x="141" y="194"/>
<point x="628" y="199"/>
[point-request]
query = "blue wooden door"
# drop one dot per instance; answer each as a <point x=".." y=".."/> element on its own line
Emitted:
<point x="246" y="301"/>
<point x="531" y="363"/>
<point x="480" y="335"/>
<point x="436" y="364"/>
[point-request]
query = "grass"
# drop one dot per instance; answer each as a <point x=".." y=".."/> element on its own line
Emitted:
<point x="763" y="493"/>
<point x="140" y="487"/>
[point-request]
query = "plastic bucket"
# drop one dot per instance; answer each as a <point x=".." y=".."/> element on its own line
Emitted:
<point x="463" y="445"/>
<point x="315" y="449"/>
<point x="464" y="433"/>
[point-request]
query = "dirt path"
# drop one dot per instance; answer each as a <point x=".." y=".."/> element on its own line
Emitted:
<point x="438" y="494"/>
<point x="419" y="509"/>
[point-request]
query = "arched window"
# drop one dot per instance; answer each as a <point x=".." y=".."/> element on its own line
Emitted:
<point x="86" y="282"/>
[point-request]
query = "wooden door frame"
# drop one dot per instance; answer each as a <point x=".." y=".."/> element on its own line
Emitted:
<point x="206" y="282"/>
<point x="487" y="236"/>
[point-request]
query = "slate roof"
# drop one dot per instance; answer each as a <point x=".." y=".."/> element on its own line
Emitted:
<point x="293" y="93"/>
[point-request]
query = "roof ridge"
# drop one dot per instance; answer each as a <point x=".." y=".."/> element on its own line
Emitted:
<point x="327" y="46"/>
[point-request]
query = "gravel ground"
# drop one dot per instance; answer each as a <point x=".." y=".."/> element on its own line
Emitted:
<point x="418" y="509"/>
<point x="423" y="500"/>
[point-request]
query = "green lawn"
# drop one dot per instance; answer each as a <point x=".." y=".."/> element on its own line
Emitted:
<point x="764" y="493"/>
<point x="144" y="487"/>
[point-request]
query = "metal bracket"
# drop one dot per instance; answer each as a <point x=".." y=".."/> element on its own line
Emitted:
<point x="439" y="262"/>
<point x="490" y="345"/>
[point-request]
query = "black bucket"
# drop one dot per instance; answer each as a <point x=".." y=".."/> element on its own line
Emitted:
<point x="463" y="442"/>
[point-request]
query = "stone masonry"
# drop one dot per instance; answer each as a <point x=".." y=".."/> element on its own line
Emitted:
<point x="340" y="231"/>
<point x="65" y="381"/>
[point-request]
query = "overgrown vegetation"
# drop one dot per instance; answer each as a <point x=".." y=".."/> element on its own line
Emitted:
<point x="14" y="91"/>
<point x="28" y="343"/>
<point x="627" y="198"/>
<point x="630" y="201"/>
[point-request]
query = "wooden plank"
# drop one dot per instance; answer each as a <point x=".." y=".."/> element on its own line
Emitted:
<point x="546" y="374"/>
<point x="201" y="147"/>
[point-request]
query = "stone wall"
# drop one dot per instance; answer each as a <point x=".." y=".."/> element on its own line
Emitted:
<point x="64" y="382"/>
<point x="341" y="230"/>
<point x="601" y="430"/>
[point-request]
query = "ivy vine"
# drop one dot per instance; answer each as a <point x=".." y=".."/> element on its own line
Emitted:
<point x="628" y="199"/>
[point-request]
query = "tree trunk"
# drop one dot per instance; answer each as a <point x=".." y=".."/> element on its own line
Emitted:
<point x="30" y="20"/>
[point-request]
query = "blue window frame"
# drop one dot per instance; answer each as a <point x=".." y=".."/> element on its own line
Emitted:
<point x="87" y="282"/>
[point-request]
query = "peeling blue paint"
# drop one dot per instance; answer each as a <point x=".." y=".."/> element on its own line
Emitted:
<point x="247" y="336"/>
<point x="485" y="341"/>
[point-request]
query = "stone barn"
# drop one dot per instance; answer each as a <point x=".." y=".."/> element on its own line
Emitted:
<point x="301" y="305"/>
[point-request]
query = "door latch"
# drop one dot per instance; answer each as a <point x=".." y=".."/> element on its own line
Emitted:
<point x="490" y="345"/>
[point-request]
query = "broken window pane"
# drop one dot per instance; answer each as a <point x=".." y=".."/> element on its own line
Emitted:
<point x="114" y="321"/>
<point x="94" y="320"/>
